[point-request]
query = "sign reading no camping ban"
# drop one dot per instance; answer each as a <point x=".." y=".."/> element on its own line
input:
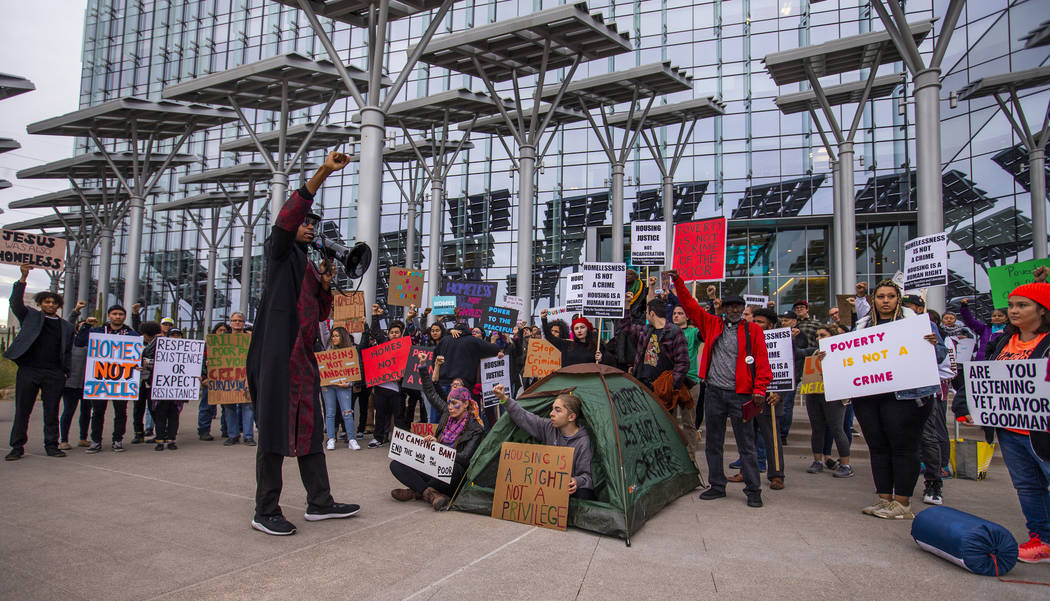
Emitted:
<point x="604" y="289"/>
<point x="926" y="262"/>
<point x="648" y="243"/>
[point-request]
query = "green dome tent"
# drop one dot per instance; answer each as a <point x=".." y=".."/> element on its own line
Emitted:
<point x="639" y="464"/>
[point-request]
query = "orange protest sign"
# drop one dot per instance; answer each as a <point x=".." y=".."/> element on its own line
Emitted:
<point x="348" y="310"/>
<point x="339" y="366"/>
<point x="406" y="287"/>
<point x="812" y="377"/>
<point x="542" y="359"/>
<point x="532" y="485"/>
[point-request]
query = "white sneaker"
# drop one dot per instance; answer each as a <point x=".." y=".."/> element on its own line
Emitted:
<point x="354" y="446"/>
<point x="894" y="511"/>
<point x="372" y="444"/>
<point x="331" y="444"/>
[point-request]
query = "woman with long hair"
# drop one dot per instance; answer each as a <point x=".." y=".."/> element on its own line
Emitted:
<point x="338" y="398"/>
<point x="585" y="345"/>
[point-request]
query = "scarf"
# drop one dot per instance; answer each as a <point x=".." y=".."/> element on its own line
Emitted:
<point x="635" y="291"/>
<point x="454" y="426"/>
<point x="952" y="330"/>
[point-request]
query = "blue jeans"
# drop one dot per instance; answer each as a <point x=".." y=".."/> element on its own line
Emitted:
<point x="787" y="401"/>
<point x="338" y="399"/>
<point x="205" y="414"/>
<point x="1030" y="476"/>
<point x="240" y="418"/>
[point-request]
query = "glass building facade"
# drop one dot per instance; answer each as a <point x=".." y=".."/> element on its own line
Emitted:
<point x="767" y="172"/>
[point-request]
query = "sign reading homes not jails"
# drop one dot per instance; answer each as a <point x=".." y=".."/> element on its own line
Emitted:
<point x="1008" y="394"/>
<point x="112" y="368"/>
<point x="648" y="242"/>
<point x="604" y="289"/>
<point x="926" y="262"/>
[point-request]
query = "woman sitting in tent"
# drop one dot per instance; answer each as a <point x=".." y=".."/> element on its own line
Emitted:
<point x="459" y="428"/>
<point x="561" y="430"/>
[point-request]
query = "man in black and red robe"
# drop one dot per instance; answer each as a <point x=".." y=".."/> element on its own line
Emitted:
<point x="283" y="379"/>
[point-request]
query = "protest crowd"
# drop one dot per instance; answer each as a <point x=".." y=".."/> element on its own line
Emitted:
<point x="396" y="370"/>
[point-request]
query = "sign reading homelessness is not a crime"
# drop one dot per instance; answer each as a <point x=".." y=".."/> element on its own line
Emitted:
<point x="1008" y="394"/>
<point x="604" y="289"/>
<point x="431" y="458"/>
<point x="885" y="358"/>
<point x="177" y="367"/>
<point x="781" y="359"/>
<point x="926" y="262"/>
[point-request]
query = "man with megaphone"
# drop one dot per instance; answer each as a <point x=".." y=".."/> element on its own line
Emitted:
<point x="283" y="379"/>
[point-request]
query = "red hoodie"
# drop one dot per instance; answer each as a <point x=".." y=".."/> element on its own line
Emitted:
<point x="711" y="328"/>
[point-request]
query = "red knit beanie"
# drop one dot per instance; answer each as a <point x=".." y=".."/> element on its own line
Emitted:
<point x="585" y="322"/>
<point x="1038" y="291"/>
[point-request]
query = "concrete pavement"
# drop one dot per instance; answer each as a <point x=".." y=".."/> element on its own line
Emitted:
<point x="173" y="525"/>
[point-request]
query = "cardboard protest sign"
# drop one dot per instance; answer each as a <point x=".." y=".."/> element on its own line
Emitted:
<point x="926" y="262"/>
<point x="227" y="371"/>
<point x="700" y="250"/>
<point x="1005" y="278"/>
<point x="604" y="289"/>
<point x="499" y="319"/>
<point x="112" y="368"/>
<point x="423" y="429"/>
<point x="339" y="366"/>
<point x="419" y="356"/>
<point x="431" y="458"/>
<point x="177" y="365"/>
<point x="781" y="359"/>
<point x="756" y="300"/>
<point x="885" y="358"/>
<point x="494" y="371"/>
<point x="38" y="250"/>
<point x="812" y="377"/>
<point x="844" y="306"/>
<point x="406" y="287"/>
<point x="532" y="485"/>
<point x="471" y="297"/>
<point x="543" y="358"/>
<point x="443" y="305"/>
<point x="1008" y="394"/>
<point x="348" y="309"/>
<point x="513" y="302"/>
<point x="386" y="362"/>
<point x="648" y="242"/>
<point x="574" y="293"/>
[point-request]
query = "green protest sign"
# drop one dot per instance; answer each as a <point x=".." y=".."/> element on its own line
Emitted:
<point x="1007" y="277"/>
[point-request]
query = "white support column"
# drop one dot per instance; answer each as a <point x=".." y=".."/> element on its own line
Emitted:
<point x="437" y="200"/>
<point x="105" y="266"/>
<point x="668" y="207"/>
<point x="1037" y="169"/>
<point x="84" y="274"/>
<point x="928" y="165"/>
<point x="370" y="192"/>
<point x="246" y="256"/>
<point x="526" y="204"/>
<point x="278" y="194"/>
<point x="617" y="212"/>
<point x="845" y="212"/>
<point x="136" y="217"/>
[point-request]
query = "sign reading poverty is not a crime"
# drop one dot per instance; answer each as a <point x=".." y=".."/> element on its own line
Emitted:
<point x="419" y="356"/>
<point x="781" y="359"/>
<point x="604" y="289"/>
<point x="405" y="288"/>
<point x="38" y="250"/>
<point x="227" y="371"/>
<point x="532" y="485"/>
<point x="431" y="458"/>
<point x="1008" y="394"/>
<point x="112" y="368"/>
<point x="177" y="365"/>
<point x="648" y="242"/>
<point x="926" y="262"/>
<point x="885" y="358"/>
<point x="700" y="250"/>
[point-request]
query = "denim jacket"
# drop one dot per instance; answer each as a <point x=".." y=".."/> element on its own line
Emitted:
<point x="939" y="349"/>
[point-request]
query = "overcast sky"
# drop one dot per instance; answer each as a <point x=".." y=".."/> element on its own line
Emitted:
<point x="41" y="41"/>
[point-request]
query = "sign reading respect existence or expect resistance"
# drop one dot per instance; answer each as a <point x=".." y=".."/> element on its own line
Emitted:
<point x="38" y="250"/>
<point x="112" y="368"/>
<point x="532" y="485"/>
<point x="431" y="458"/>
<point x="648" y="242"/>
<point x="700" y="250"/>
<point x="1008" y="394"/>
<point x="781" y="359"/>
<point x="926" y="262"/>
<point x="604" y="289"/>
<point x="885" y="358"/>
<point x="177" y="366"/>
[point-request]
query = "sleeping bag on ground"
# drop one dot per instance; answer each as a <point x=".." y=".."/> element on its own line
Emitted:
<point x="965" y="540"/>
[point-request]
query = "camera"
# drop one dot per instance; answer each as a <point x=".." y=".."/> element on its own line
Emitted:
<point x="328" y="242"/>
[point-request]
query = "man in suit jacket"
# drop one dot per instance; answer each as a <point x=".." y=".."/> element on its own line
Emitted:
<point x="43" y="351"/>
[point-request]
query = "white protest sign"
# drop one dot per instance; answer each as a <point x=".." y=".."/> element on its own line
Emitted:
<point x="177" y="369"/>
<point x="885" y="358"/>
<point x="604" y="289"/>
<point x="112" y="368"/>
<point x="563" y="313"/>
<point x="648" y="242"/>
<point x="1008" y="394"/>
<point x="964" y="348"/>
<point x="926" y="262"/>
<point x="756" y="300"/>
<point x="574" y="293"/>
<point x="431" y="458"/>
<point x="514" y="302"/>
<point x="494" y="370"/>
<point x="781" y="359"/>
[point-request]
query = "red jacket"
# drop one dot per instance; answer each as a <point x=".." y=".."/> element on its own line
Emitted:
<point x="711" y="327"/>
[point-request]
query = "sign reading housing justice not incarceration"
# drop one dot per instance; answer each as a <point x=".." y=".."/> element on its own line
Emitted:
<point x="648" y="242"/>
<point x="926" y="262"/>
<point x="38" y="250"/>
<point x="1008" y="394"/>
<point x="604" y="289"/>
<point x="494" y="371"/>
<point x="112" y="368"/>
<point x="177" y="367"/>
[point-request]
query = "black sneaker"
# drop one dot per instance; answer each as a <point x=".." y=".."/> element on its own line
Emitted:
<point x="229" y="442"/>
<point x="274" y="525"/>
<point x="55" y="452"/>
<point x="15" y="454"/>
<point x="754" y="500"/>
<point x="831" y="464"/>
<point x="95" y="447"/>
<point x="712" y="493"/>
<point x="159" y="447"/>
<point x="335" y="511"/>
<point x="172" y="446"/>
<point x="206" y="437"/>
<point x="138" y="439"/>
<point x="249" y="442"/>
<point x="148" y="433"/>
<point x="118" y="446"/>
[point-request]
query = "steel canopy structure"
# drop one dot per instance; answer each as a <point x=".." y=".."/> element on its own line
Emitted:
<point x="633" y="87"/>
<point x="810" y="63"/>
<point x="213" y="202"/>
<point x="13" y="85"/>
<point x="324" y="136"/>
<point x="361" y="12"/>
<point x="1007" y="85"/>
<point x="280" y="84"/>
<point x="143" y="125"/>
<point x="533" y="44"/>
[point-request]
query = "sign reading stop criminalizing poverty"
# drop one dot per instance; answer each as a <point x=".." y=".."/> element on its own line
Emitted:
<point x="1008" y="394"/>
